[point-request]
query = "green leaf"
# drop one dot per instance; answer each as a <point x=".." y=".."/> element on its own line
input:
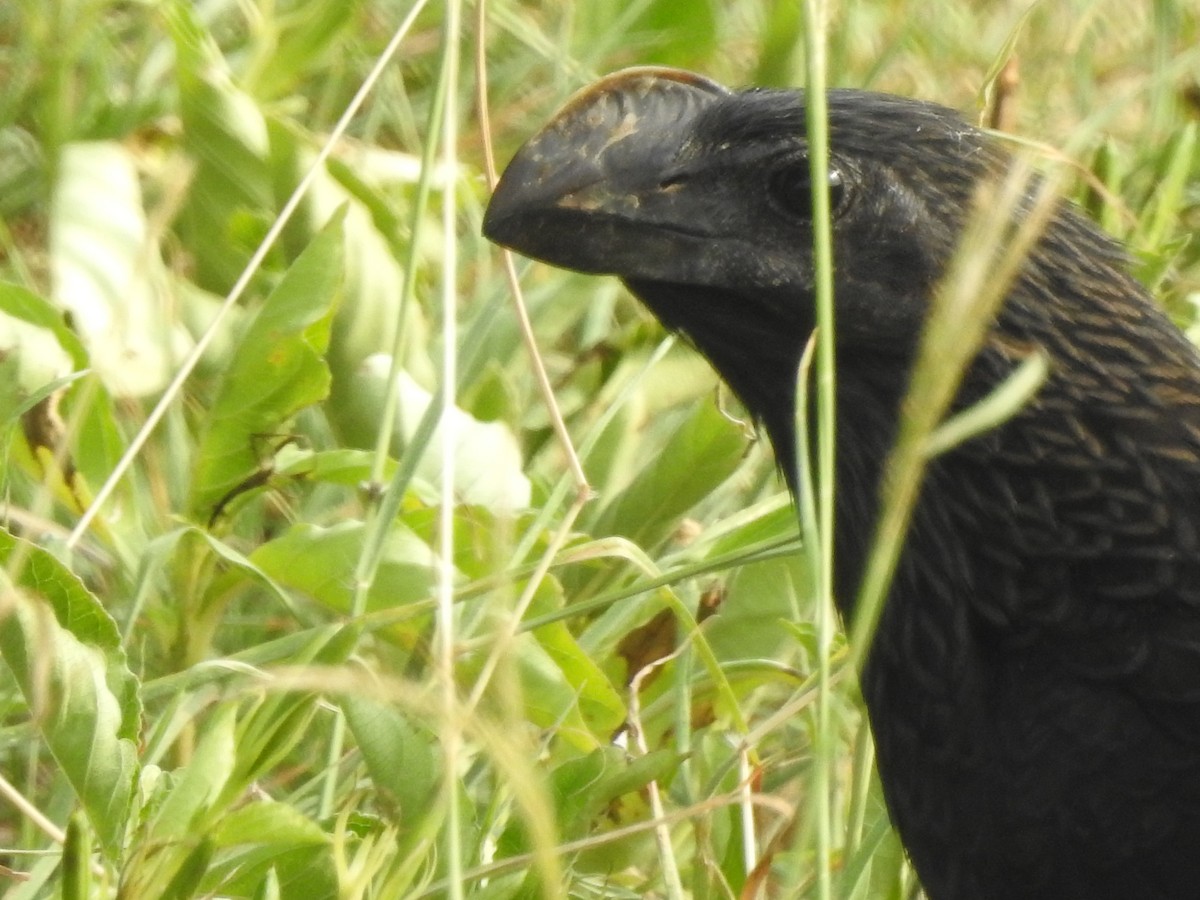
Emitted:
<point x="191" y="869"/>
<point x="194" y="820"/>
<point x="309" y="32"/>
<point x="321" y="562"/>
<point x="268" y="822"/>
<point x="199" y="785"/>
<point x="277" y="370"/>
<point x="265" y="735"/>
<point x="401" y="758"/>
<point x="586" y="789"/>
<point x="600" y="705"/>
<point x="1007" y="50"/>
<point x="757" y="599"/>
<point x="270" y="870"/>
<point x="231" y="193"/>
<point x="1170" y="196"/>
<point x="27" y="306"/>
<point x="64" y="651"/>
<point x="99" y="442"/>
<point x="700" y="455"/>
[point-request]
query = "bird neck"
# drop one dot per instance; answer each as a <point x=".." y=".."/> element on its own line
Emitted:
<point x="868" y="396"/>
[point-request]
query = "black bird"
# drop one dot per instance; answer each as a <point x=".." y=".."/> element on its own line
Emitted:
<point x="1034" y="681"/>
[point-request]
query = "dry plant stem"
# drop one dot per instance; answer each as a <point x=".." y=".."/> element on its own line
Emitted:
<point x="539" y="368"/>
<point x="192" y="360"/>
<point x="1002" y="116"/>
<point x="34" y="815"/>
<point x="583" y="491"/>
<point x="662" y="833"/>
<point x="31" y="812"/>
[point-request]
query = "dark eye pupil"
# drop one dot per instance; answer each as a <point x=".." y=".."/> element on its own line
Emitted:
<point x="791" y="188"/>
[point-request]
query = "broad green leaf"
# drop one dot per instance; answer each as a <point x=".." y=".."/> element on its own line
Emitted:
<point x="563" y="686"/>
<point x="276" y="371"/>
<point x="270" y="870"/>
<point x="268" y="822"/>
<point x="401" y="758"/>
<point x="64" y="651"/>
<point x="700" y="455"/>
<point x="321" y="562"/>
<point x="587" y="790"/>
<point x="270" y="843"/>
<point x="599" y="703"/>
<point x="759" y="597"/>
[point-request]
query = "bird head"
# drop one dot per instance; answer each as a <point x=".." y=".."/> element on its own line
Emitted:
<point x="699" y="198"/>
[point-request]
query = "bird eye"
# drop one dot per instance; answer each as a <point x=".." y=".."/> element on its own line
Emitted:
<point x="791" y="188"/>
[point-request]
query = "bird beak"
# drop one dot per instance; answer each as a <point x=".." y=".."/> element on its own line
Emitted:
<point x="576" y="194"/>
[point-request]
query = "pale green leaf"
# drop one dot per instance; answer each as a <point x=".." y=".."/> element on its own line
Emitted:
<point x="107" y="273"/>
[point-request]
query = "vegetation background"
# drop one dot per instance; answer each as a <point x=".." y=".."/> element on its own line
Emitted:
<point x="265" y="633"/>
